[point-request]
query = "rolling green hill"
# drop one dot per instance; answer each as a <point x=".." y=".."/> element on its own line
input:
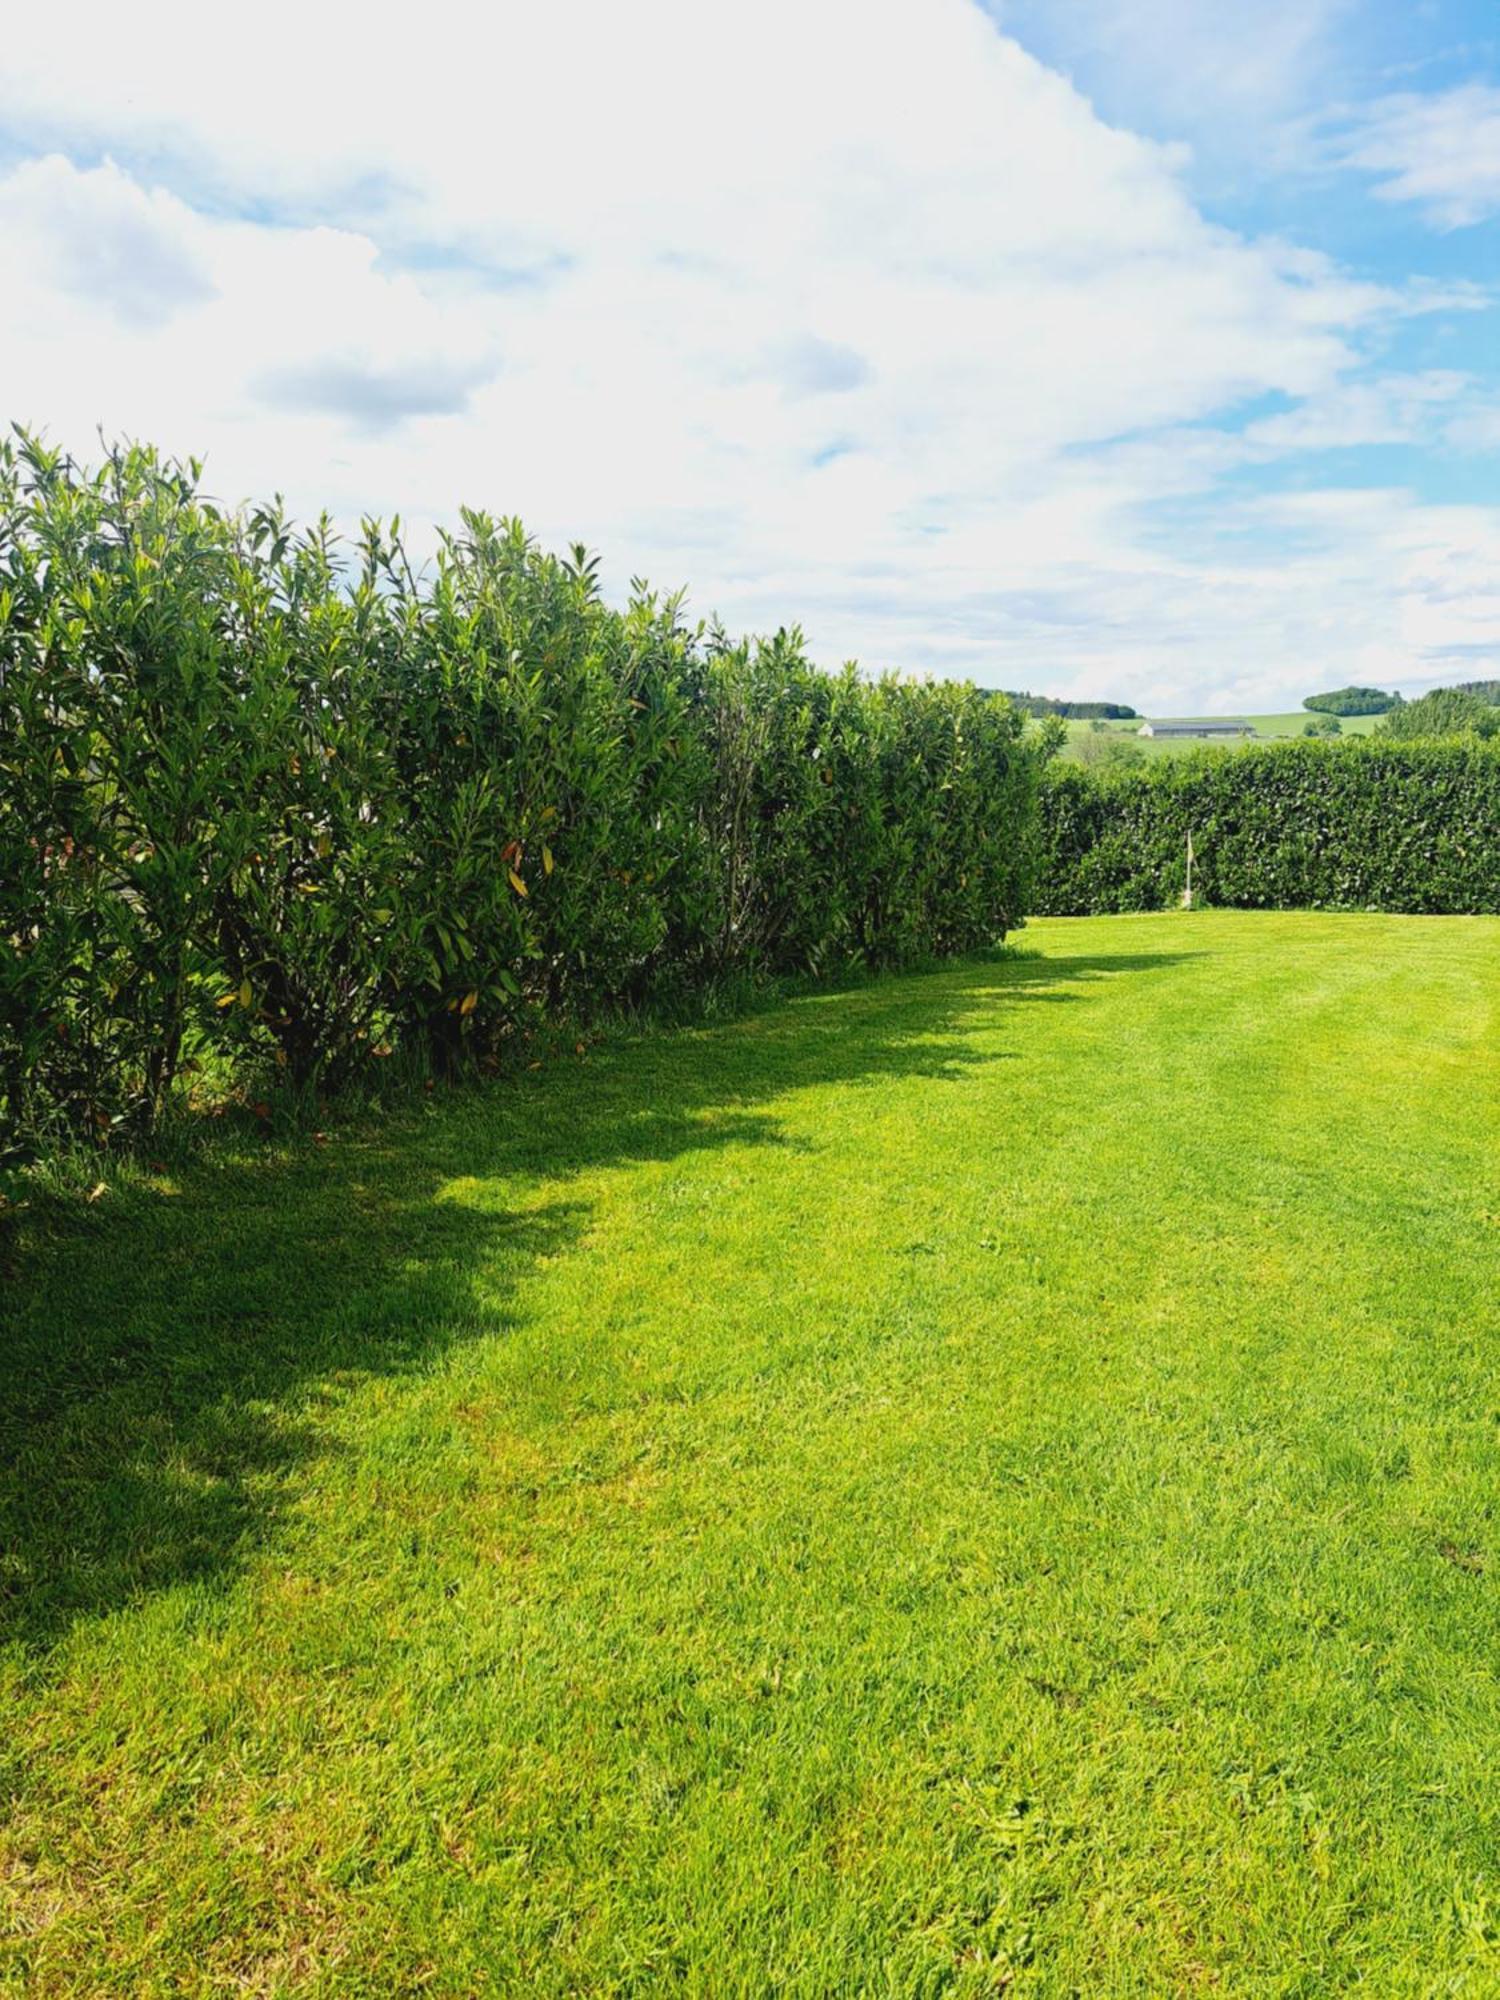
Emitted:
<point x="1267" y="728"/>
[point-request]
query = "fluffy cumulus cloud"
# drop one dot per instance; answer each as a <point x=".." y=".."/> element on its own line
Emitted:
<point x="857" y="316"/>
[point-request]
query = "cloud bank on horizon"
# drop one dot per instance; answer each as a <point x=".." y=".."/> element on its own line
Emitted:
<point x="983" y="340"/>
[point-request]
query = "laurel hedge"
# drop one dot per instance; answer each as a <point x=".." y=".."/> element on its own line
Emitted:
<point x="1353" y="824"/>
<point x="269" y="804"/>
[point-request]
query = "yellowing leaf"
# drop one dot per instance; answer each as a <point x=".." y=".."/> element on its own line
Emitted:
<point x="516" y="883"/>
<point x="546" y="859"/>
<point x="246" y="995"/>
<point x="469" y="1002"/>
<point x="384" y="916"/>
<point x="325" y="844"/>
<point x="226" y="999"/>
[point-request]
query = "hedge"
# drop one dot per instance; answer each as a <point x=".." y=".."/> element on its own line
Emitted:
<point x="271" y="805"/>
<point x="1352" y="824"/>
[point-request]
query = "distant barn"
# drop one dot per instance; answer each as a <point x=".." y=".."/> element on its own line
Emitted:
<point x="1230" y="726"/>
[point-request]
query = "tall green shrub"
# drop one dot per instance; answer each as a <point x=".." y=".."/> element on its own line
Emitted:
<point x="305" y="940"/>
<point x="118" y="691"/>
<point x="266" y="798"/>
<point x="1444" y="712"/>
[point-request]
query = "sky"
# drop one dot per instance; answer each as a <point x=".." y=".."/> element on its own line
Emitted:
<point x="1144" y="350"/>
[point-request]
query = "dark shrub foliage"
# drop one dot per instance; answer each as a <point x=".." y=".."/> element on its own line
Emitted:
<point x="269" y="802"/>
<point x="1353" y="824"/>
<point x="1352" y="701"/>
<point x="1076" y="711"/>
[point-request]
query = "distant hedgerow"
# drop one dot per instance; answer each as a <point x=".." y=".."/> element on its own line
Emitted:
<point x="266" y="800"/>
<point x="1354" y="823"/>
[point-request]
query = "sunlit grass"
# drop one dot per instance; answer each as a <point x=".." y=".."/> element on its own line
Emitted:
<point x="982" y="1483"/>
<point x="1268" y="728"/>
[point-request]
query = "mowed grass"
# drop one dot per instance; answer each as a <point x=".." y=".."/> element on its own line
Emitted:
<point x="984" y="1483"/>
<point x="1268" y="728"/>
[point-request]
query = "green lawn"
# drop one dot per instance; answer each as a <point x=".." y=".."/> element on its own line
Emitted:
<point x="1266" y="727"/>
<point x="989" y="1482"/>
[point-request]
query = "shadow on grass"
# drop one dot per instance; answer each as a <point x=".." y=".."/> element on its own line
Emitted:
<point x="166" y="1359"/>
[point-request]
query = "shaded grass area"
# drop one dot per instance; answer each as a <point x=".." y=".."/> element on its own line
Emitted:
<point x="980" y="1483"/>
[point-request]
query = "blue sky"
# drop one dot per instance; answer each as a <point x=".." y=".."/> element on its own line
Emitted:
<point x="1138" y="348"/>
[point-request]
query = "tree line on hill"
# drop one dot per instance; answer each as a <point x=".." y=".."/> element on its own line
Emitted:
<point x="1070" y="711"/>
<point x="1374" y="701"/>
<point x="1352" y="701"/>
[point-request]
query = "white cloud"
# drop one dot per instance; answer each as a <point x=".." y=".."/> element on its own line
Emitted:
<point x="1388" y="409"/>
<point x="102" y="239"/>
<point x="1439" y="151"/>
<point x="858" y="316"/>
<point x="1477" y="428"/>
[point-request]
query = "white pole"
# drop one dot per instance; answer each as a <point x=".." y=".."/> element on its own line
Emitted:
<point x="1187" y="894"/>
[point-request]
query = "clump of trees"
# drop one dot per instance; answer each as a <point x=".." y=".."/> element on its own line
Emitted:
<point x="1352" y="701"/>
<point x="274" y="805"/>
<point x="1074" y="711"/>
<point x="1445" y="712"/>
<point x="1322" y="725"/>
<point x="1100" y="748"/>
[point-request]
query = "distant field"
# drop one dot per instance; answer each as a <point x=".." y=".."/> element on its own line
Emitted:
<point x="1266" y="727"/>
